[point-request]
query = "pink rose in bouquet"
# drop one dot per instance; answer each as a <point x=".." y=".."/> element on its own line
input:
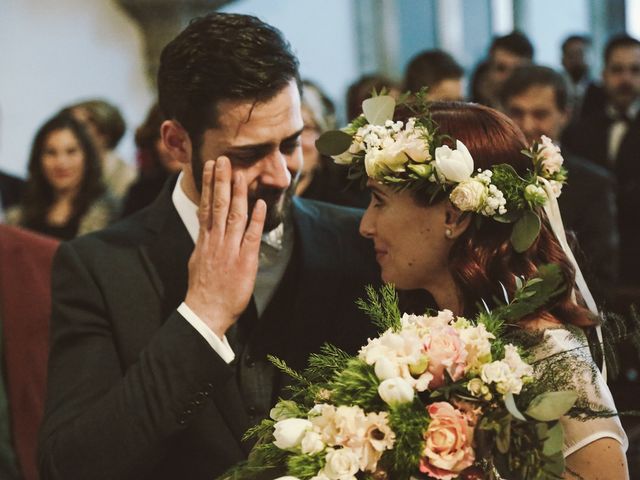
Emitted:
<point x="445" y="351"/>
<point x="448" y="440"/>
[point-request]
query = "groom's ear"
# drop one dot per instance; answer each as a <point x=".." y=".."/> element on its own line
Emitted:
<point x="456" y="221"/>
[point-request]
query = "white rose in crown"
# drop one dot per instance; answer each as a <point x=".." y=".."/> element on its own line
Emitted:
<point x="469" y="195"/>
<point x="345" y="158"/>
<point x="379" y="162"/>
<point x="551" y="158"/>
<point x="342" y="464"/>
<point x="394" y="391"/>
<point x="414" y="146"/>
<point x="289" y="433"/>
<point x="454" y="165"/>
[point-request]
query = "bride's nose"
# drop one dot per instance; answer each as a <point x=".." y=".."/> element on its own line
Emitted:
<point x="367" y="229"/>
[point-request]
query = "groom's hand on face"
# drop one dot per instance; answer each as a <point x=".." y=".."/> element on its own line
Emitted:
<point x="224" y="263"/>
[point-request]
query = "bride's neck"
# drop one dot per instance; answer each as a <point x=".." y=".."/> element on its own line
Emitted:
<point x="447" y="294"/>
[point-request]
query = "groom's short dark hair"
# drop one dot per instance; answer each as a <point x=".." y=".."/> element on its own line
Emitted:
<point x="220" y="57"/>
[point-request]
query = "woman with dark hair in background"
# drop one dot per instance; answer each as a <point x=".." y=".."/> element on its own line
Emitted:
<point x="155" y="164"/>
<point x="106" y="126"/>
<point x="445" y="233"/>
<point x="64" y="196"/>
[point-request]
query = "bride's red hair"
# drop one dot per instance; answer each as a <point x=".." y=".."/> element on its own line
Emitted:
<point x="483" y="256"/>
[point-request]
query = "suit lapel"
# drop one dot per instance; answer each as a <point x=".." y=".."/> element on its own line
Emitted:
<point x="319" y="281"/>
<point x="166" y="255"/>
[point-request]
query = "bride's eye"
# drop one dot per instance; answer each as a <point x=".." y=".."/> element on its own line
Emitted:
<point x="376" y="200"/>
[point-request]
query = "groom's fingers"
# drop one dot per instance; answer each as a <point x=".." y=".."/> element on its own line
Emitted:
<point x="253" y="233"/>
<point x="221" y="197"/>
<point x="237" y="219"/>
<point x="204" y="209"/>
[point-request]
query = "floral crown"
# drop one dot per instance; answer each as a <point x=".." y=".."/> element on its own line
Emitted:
<point x="412" y="154"/>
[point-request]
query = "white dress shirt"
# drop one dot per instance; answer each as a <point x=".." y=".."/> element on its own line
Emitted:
<point x="619" y="128"/>
<point x="275" y="252"/>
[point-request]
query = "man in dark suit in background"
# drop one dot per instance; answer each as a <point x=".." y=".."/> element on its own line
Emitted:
<point x="611" y="138"/>
<point x="158" y="358"/>
<point x="535" y="97"/>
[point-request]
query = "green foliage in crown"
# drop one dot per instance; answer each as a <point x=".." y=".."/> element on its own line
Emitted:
<point x="413" y="154"/>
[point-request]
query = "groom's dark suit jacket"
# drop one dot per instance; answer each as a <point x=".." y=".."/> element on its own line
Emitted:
<point x="134" y="392"/>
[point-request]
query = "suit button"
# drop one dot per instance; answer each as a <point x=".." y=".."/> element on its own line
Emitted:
<point x="188" y="412"/>
<point x="252" y="410"/>
<point x="250" y="361"/>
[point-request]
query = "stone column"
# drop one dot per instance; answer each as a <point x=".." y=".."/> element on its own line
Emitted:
<point x="161" y="20"/>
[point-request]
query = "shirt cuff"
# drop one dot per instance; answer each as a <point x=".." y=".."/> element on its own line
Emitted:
<point x="220" y="346"/>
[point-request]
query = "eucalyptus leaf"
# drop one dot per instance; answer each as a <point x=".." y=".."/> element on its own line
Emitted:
<point x="551" y="405"/>
<point x="519" y="283"/>
<point x="378" y="110"/>
<point x="333" y="142"/>
<point x="510" y="403"/>
<point x="555" y="465"/>
<point x="510" y="217"/>
<point x="525" y="231"/>
<point x="503" y="439"/>
<point x="555" y="438"/>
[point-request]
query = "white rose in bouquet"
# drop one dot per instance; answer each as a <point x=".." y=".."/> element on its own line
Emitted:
<point x="395" y="390"/>
<point x="385" y="369"/>
<point x="342" y="464"/>
<point x="454" y="165"/>
<point x="289" y="433"/>
<point x="312" y="443"/>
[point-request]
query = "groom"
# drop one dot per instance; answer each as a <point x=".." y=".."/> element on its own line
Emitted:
<point x="161" y="324"/>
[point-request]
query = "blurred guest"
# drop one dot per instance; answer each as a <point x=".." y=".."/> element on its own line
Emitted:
<point x="611" y="138"/>
<point x="155" y="164"/>
<point x="439" y="72"/>
<point x="479" y="89"/>
<point x="575" y="52"/>
<point x="10" y="192"/>
<point x="536" y="98"/>
<point x="105" y="124"/>
<point x="25" y="290"/>
<point x="320" y="178"/>
<point x="64" y="196"/>
<point x="361" y="89"/>
<point x="505" y="55"/>
<point x="318" y="115"/>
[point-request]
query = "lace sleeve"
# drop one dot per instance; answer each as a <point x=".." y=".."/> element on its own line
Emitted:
<point x="584" y="377"/>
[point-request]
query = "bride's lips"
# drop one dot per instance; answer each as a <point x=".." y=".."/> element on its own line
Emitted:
<point x="380" y="254"/>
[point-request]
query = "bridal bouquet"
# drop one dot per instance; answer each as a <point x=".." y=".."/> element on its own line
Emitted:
<point x="433" y="396"/>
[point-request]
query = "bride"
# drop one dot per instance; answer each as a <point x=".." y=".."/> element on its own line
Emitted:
<point x="448" y="234"/>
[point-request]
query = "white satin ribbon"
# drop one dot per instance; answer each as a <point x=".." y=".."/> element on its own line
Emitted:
<point x="552" y="210"/>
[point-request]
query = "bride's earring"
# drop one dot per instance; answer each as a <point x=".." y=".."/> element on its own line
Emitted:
<point x="448" y="233"/>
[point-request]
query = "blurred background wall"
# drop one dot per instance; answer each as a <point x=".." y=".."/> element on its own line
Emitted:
<point x="54" y="52"/>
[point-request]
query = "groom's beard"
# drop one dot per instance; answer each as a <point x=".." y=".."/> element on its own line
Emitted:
<point x="278" y="201"/>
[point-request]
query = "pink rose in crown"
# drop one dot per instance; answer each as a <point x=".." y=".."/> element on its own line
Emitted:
<point x="448" y="440"/>
<point x="551" y="157"/>
<point x="446" y="352"/>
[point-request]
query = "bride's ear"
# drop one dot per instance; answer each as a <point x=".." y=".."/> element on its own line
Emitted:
<point x="456" y="221"/>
